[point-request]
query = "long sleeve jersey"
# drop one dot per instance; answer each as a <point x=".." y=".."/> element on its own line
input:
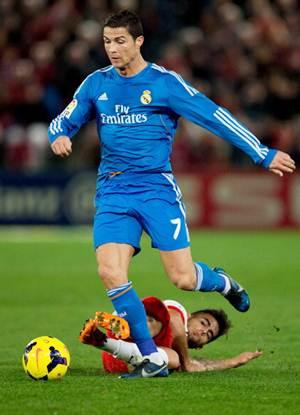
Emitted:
<point x="137" y="118"/>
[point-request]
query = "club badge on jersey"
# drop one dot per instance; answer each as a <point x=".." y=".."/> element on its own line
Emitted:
<point x="146" y="97"/>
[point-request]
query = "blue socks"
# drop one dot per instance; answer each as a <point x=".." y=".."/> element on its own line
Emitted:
<point x="128" y="305"/>
<point x="207" y="279"/>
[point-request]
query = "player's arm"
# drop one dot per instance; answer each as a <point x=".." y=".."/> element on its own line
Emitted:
<point x="179" y="344"/>
<point x="205" y="365"/>
<point x="186" y="101"/>
<point x="75" y="115"/>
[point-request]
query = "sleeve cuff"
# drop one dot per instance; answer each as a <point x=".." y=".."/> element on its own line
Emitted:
<point x="52" y="137"/>
<point x="267" y="161"/>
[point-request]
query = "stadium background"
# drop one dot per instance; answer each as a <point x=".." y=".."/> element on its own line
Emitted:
<point x="245" y="55"/>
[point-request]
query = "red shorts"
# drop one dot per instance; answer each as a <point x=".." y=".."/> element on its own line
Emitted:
<point x="155" y="308"/>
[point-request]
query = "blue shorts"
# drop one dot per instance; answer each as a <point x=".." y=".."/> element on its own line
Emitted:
<point x="129" y="204"/>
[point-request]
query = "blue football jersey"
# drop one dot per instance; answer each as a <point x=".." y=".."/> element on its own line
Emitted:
<point x="137" y="118"/>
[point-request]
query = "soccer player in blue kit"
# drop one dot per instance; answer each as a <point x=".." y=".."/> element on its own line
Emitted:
<point x="137" y="105"/>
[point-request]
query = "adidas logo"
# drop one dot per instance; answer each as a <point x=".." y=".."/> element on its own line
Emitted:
<point x="103" y="97"/>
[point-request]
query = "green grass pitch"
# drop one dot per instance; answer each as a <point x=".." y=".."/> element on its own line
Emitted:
<point x="49" y="286"/>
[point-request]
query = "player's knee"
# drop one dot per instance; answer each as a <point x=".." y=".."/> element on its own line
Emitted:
<point x="183" y="281"/>
<point x="111" y="276"/>
<point x="173" y="359"/>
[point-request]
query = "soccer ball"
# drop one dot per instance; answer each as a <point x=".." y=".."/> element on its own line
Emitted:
<point x="46" y="358"/>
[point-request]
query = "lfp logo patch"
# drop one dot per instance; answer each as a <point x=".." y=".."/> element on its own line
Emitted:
<point x="146" y="97"/>
<point x="69" y="109"/>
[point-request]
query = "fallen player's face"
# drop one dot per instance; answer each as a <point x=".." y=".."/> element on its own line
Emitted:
<point x="201" y="329"/>
<point x="120" y="46"/>
<point x="154" y="326"/>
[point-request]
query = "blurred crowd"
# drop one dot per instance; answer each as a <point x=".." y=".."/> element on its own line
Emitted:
<point x="245" y="55"/>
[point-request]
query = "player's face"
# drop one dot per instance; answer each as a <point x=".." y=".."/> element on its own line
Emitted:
<point x="121" y="48"/>
<point x="202" y="329"/>
<point x="154" y="326"/>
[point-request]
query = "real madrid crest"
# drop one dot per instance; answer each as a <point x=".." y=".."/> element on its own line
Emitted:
<point x="146" y="97"/>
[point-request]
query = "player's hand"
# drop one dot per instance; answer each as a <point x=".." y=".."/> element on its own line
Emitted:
<point x="193" y="365"/>
<point x="245" y="357"/>
<point x="62" y="146"/>
<point x="282" y="163"/>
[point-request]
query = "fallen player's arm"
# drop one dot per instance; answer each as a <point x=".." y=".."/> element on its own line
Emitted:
<point x="179" y="344"/>
<point x="205" y="365"/>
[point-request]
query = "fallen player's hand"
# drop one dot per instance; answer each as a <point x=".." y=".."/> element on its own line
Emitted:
<point x="62" y="146"/>
<point x="192" y="365"/>
<point x="245" y="357"/>
<point x="282" y="163"/>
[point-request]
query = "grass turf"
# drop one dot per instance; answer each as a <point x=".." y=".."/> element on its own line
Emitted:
<point x="49" y="287"/>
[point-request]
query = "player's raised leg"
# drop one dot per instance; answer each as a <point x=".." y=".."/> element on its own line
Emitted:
<point x="198" y="276"/>
<point x="164" y="220"/>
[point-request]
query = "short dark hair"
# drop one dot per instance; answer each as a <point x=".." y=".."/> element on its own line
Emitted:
<point x="222" y="319"/>
<point x="128" y="19"/>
